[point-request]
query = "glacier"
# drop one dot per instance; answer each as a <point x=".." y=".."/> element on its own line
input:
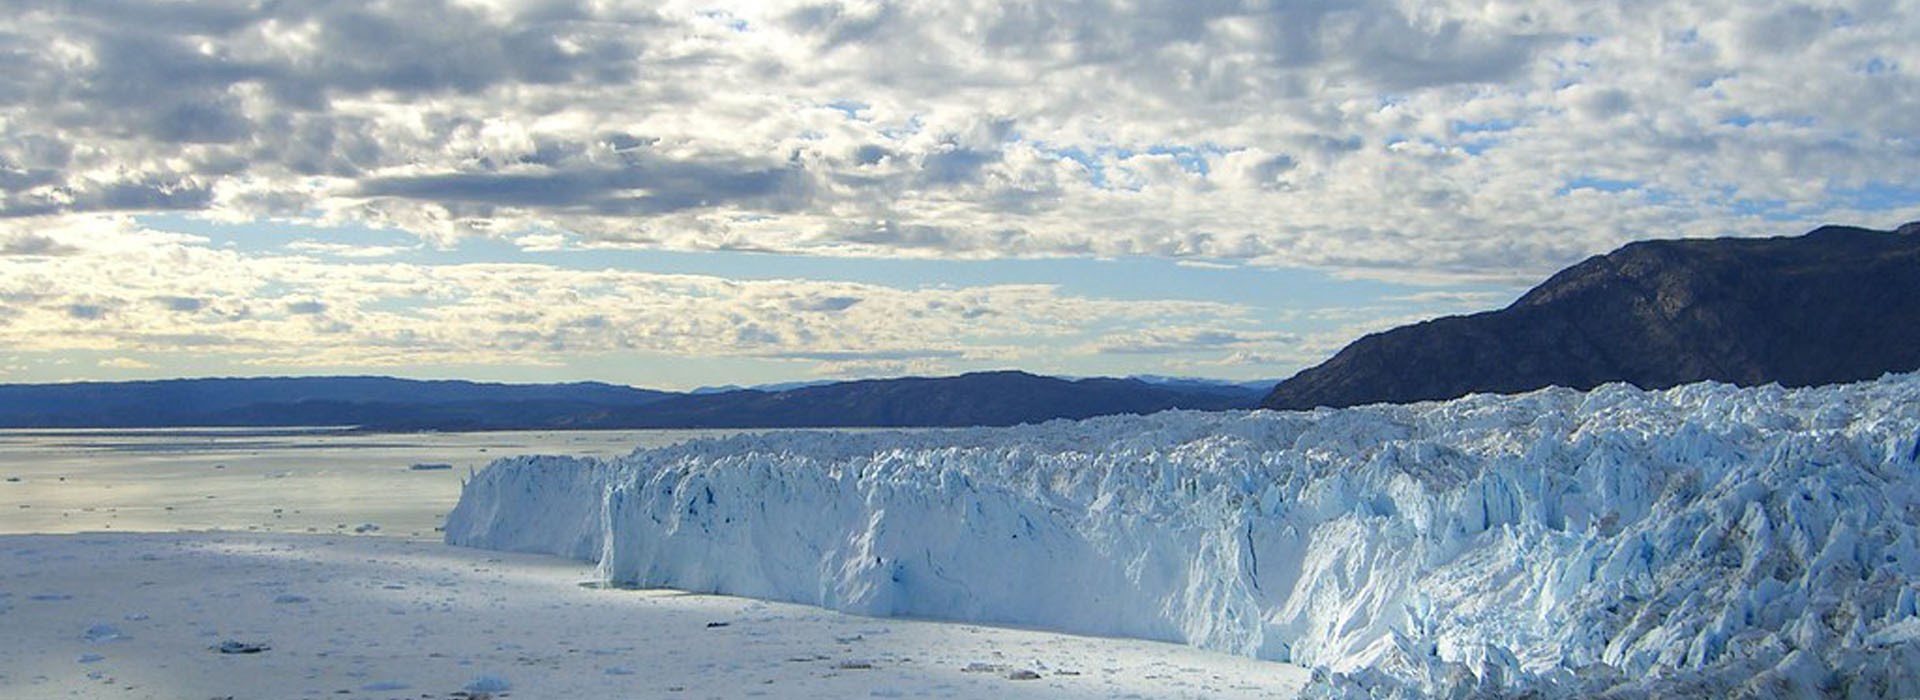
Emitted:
<point x="1701" y="540"/>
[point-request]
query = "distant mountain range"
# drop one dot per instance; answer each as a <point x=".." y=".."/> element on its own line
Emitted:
<point x="387" y="404"/>
<point x="1834" y="305"/>
<point x="987" y="398"/>
<point x="1837" y="304"/>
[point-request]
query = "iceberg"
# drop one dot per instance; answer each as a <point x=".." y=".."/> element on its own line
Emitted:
<point x="1705" y="539"/>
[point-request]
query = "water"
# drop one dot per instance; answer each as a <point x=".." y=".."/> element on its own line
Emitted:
<point x="269" y="480"/>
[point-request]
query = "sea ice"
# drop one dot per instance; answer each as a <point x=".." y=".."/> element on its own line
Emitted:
<point x="1703" y="539"/>
<point x="472" y="613"/>
<point x="488" y="683"/>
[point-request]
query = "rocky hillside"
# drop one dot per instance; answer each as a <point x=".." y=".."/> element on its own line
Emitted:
<point x="1837" y="304"/>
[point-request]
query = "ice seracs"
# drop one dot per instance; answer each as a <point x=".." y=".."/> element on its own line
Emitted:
<point x="1705" y="538"/>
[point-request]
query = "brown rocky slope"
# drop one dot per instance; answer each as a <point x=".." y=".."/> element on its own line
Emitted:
<point x="1837" y="304"/>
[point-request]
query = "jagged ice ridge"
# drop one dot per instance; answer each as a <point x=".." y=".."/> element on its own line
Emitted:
<point x="1705" y="538"/>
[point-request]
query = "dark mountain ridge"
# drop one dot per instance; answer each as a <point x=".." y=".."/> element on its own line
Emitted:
<point x="387" y="404"/>
<point x="979" y="399"/>
<point x="266" y="400"/>
<point x="1837" y="304"/>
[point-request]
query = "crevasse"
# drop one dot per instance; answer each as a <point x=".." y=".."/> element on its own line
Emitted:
<point x="1705" y="538"/>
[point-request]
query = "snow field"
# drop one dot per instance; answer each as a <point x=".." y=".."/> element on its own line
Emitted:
<point x="1703" y="539"/>
<point x="145" y="616"/>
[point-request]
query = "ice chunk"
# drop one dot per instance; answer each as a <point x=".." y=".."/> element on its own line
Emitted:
<point x="234" y="646"/>
<point x="489" y="683"/>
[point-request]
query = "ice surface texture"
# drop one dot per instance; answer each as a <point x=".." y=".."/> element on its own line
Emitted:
<point x="1705" y="538"/>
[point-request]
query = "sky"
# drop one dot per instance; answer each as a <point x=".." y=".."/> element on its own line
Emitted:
<point x="674" y="194"/>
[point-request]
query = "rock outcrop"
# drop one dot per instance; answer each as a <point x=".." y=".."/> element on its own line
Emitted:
<point x="1837" y="304"/>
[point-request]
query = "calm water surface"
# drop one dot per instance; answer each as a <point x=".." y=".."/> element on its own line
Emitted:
<point x="281" y="480"/>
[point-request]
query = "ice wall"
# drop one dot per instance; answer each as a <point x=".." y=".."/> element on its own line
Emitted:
<point x="1704" y="538"/>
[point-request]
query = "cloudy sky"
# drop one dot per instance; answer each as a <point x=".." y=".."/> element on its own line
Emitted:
<point x="675" y="194"/>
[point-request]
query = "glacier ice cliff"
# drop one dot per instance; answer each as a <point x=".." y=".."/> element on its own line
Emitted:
<point x="1705" y="539"/>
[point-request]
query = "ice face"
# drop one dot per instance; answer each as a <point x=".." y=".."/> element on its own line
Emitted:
<point x="1705" y="537"/>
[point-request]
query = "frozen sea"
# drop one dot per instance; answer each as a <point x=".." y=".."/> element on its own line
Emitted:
<point x="296" y="480"/>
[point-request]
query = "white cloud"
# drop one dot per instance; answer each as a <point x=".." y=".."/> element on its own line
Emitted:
<point x="345" y="250"/>
<point x="1205" y="265"/>
<point x="1162" y="340"/>
<point x="1454" y="300"/>
<point x="129" y="290"/>
<point x="1430" y="143"/>
<point x="1424" y="141"/>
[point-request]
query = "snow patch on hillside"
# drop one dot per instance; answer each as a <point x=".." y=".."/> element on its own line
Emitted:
<point x="1703" y="539"/>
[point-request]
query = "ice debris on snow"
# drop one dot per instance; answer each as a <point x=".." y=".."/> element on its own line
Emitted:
<point x="1705" y="539"/>
<point x="234" y="646"/>
<point x="489" y="683"/>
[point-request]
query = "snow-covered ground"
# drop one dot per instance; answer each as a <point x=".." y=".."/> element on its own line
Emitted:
<point x="143" y="615"/>
<point x="1698" y="541"/>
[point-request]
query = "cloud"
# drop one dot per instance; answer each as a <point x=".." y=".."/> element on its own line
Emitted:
<point x="1448" y="299"/>
<point x="641" y="185"/>
<point x="1207" y="350"/>
<point x="1205" y="265"/>
<point x="346" y="250"/>
<point x="306" y="308"/>
<point x="830" y="304"/>
<point x="132" y="290"/>
<point x="1429" y="143"/>
<point x="878" y="356"/>
<point x="125" y="363"/>
<point x="182" y="304"/>
<point x="1160" y="341"/>
<point x="29" y="244"/>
